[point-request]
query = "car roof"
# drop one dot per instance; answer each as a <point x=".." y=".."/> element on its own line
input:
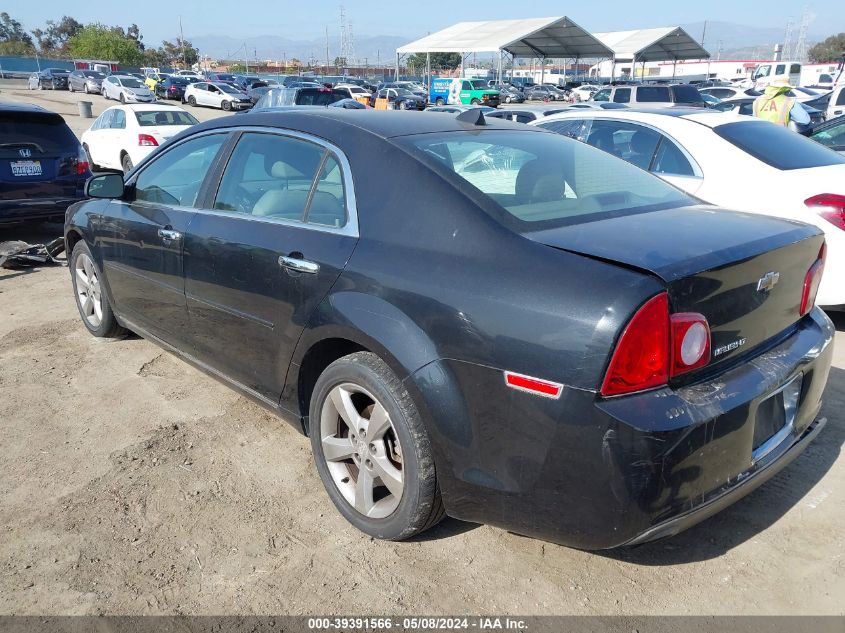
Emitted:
<point x="383" y="124"/>
<point x="9" y="106"/>
<point x="147" y="107"/>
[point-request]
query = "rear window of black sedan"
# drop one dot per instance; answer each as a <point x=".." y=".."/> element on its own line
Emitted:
<point x="778" y="146"/>
<point x="544" y="180"/>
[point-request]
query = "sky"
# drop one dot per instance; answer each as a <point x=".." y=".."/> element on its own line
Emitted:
<point x="159" y="19"/>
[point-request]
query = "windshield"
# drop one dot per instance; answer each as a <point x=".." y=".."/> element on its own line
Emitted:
<point x="130" y="82"/>
<point x="541" y="180"/>
<point x="224" y="77"/>
<point x="778" y="146"/>
<point x="479" y="85"/>
<point x="228" y="89"/>
<point x="404" y="92"/>
<point x="93" y="74"/>
<point x="149" y="118"/>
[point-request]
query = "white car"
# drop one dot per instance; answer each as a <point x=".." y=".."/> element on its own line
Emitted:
<point x="733" y="161"/>
<point x="584" y="92"/>
<point x="122" y="136"/>
<point x="723" y="93"/>
<point x="216" y="95"/>
<point x="127" y="89"/>
<point x="190" y="73"/>
<point x="354" y="91"/>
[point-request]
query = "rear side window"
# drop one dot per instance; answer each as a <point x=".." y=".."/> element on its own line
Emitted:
<point x="778" y="146"/>
<point x="653" y="94"/>
<point x="686" y="94"/>
<point x="543" y="180"/>
<point x="319" y="96"/>
<point x="622" y="95"/>
<point x="42" y="134"/>
<point x="833" y="136"/>
<point x="841" y="99"/>
<point x="629" y="141"/>
<point x="670" y="160"/>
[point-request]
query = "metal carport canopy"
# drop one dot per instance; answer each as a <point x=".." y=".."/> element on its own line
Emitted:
<point x="669" y="43"/>
<point x="533" y="37"/>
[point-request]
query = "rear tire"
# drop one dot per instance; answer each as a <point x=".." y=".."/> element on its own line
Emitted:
<point x="92" y="298"/>
<point x="439" y="101"/>
<point x="363" y="389"/>
<point x="69" y="87"/>
<point x="126" y="163"/>
<point x="85" y="88"/>
<point x="122" y="98"/>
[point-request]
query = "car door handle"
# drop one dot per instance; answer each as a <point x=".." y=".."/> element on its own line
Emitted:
<point x="299" y="265"/>
<point x="169" y="235"/>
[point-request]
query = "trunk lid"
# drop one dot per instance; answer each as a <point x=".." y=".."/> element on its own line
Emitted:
<point x="744" y="272"/>
<point x="38" y="156"/>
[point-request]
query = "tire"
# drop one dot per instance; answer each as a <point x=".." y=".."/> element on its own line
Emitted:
<point x="122" y="98"/>
<point x="106" y="325"/>
<point x="403" y="105"/>
<point x="475" y="102"/>
<point x="40" y="87"/>
<point x="85" y="88"/>
<point x="226" y="105"/>
<point x="401" y="447"/>
<point x="69" y="87"/>
<point x="126" y="163"/>
<point x="439" y="101"/>
<point x="192" y="101"/>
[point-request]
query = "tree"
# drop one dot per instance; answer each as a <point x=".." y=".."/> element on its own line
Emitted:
<point x="339" y="61"/>
<point x="155" y="57"/>
<point x="13" y="39"/>
<point x="97" y="41"/>
<point x="180" y="52"/>
<point x="134" y="33"/>
<point x="829" y="50"/>
<point x="237" y="68"/>
<point x="53" y="40"/>
<point x="439" y="61"/>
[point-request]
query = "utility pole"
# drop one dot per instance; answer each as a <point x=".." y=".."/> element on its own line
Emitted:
<point x="327" y="50"/>
<point x="703" y="33"/>
<point x="182" y="42"/>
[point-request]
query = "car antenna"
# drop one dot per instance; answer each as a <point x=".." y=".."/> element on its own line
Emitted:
<point x="474" y="116"/>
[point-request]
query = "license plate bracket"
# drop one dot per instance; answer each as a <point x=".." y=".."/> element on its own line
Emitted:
<point x="775" y="418"/>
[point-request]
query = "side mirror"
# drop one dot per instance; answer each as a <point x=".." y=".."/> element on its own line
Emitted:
<point x="105" y="186"/>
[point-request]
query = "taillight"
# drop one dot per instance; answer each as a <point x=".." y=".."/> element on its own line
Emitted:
<point x="641" y="358"/>
<point x="690" y="342"/>
<point x="145" y="140"/>
<point x="830" y="206"/>
<point x="812" y="280"/>
<point x="656" y="346"/>
<point x="82" y="165"/>
<point x="172" y="88"/>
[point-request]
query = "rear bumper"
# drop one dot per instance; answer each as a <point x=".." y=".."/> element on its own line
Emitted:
<point x="597" y="473"/>
<point x="12" y="211"/>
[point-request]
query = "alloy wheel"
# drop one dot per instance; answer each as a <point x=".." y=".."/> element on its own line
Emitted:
<point x="88" y="292"/>
<point x="362" y="450"/>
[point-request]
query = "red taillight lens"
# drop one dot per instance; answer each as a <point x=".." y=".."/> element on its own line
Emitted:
<point x="641" y="358"/>
<point x="147" y="141"/>
<point x="82" y="165"/>
<point x="812" y="281"/>
<point x="690" y="342"/>
<point x="830" y="206"/>
<point x="172" y="88"/>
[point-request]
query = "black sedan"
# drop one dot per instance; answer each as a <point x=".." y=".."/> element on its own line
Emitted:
<point x="519" y="330"/>
<point x="43" y="168"/>
<point x="49" y="79"/>
<point x="172" y="87"/>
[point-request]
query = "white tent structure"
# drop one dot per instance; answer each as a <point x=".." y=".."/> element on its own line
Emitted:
<point x="543" y="38"/>
<point x="665" y="44"/>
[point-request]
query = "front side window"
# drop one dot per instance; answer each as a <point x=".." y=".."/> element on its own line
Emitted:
<point x="175" y="177"/>
<point x="622" y="95"/>
<point x="273" y="176"/>
<point x="542" y="181"/>
<point x="602" y="95"/>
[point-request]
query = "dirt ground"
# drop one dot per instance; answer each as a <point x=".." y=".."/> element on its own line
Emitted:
<point x="131" y="483"/>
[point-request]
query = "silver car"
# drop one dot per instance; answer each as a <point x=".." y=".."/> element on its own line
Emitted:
<point x="127" y="89"/>
<point x="86" y="81"/>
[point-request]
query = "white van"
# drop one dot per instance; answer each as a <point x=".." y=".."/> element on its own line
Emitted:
<point x="836" y="106"/>
<point x="765" y="72"/>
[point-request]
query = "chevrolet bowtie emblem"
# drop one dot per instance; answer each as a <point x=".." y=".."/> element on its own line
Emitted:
<point x="767" y="282"/>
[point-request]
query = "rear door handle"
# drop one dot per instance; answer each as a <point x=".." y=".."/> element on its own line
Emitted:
<point x="299" y="265"/>
<point x="169" y="235"/>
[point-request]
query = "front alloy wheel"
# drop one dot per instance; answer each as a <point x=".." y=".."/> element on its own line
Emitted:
<point x="372" y="450"/>
<point x="88" y="290"/>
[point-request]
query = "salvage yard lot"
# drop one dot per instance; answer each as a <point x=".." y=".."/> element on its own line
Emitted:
<point x="134" y="484"/>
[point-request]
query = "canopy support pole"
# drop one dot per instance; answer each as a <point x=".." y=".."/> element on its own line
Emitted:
<point x="428" y="70"/>
<point x="463" y="63"/>
<point x="397" y="66"/>
<point x="500" y="80"/>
